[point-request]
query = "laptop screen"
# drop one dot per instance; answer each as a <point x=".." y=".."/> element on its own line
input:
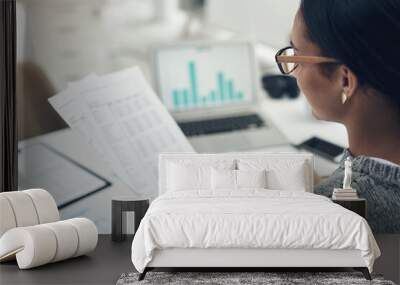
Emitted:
<point x="192" y="77"/>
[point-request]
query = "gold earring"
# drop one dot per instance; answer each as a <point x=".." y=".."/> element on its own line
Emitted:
<point x="344" y="97"/>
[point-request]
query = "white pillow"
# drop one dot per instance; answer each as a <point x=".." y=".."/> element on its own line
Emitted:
<point x="223" y="179"/>
<point x="251" y="178"/>
<point x="237" y="179"/>
<point x="282" y="174"/>
<point x="291" y="180"/>
<point x="193" y="173"/>
<point x="184" y="177"/>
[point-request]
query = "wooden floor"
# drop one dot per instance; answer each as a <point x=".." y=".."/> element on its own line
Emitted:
<point x="111" y="259"/>
<point x="103" y="266"/>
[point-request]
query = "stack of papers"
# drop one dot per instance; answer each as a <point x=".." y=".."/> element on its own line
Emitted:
<point x="344" y="194"/>
<point x="121" y="117"/>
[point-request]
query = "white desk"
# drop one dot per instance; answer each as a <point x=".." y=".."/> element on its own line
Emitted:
<point x="294" y="119"/>
<point x="297" y="123"/>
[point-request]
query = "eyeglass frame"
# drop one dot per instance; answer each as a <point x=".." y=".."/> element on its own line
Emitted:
<point x="296" y="59"/>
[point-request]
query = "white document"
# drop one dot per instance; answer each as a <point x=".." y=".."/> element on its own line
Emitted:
<point x="122" y="118"/>
<point x="69" y="105"/>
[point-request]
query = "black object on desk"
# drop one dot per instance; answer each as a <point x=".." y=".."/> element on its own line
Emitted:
<point x="323" y="148"/>
<point x="279" y="86"/>
<point x="221" y="125"/>
<point x="358" y="206"/>
<point x="123" y="204"/>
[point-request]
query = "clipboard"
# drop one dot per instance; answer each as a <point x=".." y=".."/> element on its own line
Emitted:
<point x="41" y="166"/>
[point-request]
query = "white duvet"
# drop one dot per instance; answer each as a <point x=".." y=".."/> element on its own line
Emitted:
<point x="250" y="219"/>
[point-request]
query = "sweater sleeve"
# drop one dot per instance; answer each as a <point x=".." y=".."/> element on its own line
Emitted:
<point x="382" y="196"/>
<point x="326" y="186"/>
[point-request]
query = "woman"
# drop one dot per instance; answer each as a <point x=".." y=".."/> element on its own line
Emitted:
<point x="345" y="55"/>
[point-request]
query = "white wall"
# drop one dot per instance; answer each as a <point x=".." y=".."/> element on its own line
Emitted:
<point x="269" y="21"/>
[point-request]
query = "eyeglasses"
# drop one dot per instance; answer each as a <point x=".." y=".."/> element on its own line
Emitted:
<point x="287" y="60"/>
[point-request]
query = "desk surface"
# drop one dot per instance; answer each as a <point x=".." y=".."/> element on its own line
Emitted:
<point x="293" y="117"/>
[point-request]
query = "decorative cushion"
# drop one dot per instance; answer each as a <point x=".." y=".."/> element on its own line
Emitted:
<point x="183" y="178"/>
<point x="285" y="171"/>
<point x="281" y="174"/>
<point x="186" y="175"/>
<point x="223" y="179"/>
<point x="227" y="179"/>
<point x="251" y="178"/>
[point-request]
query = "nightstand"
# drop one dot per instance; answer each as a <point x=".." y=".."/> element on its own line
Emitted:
<point x="123" y="204"/>
<point x="358" y="206"/>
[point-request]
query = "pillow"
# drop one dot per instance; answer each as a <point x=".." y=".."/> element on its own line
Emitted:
<point x="237" y="179"/>
<point x="251" y="178"/>
<point x="282" y="174"/>
<point x="184" y="177"/>
<point x="192" y="173"/>
<point x="291" y="179"/>
<point x="223" y="179"/>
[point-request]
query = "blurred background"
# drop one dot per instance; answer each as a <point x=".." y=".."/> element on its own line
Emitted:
<point x="62" y="41"/>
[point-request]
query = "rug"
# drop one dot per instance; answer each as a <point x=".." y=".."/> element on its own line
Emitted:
<point x="269" y="278"/>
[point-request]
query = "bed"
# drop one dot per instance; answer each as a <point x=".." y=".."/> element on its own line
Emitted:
<point x="246" y="210"/>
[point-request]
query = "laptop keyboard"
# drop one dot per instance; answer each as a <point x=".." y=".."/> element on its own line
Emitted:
<point x="212" y="126"/>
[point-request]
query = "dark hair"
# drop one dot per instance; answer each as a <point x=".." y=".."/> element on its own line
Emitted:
<point x="362" y="34"/>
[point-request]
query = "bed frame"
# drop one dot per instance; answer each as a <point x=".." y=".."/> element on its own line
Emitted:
<point x="260" y="259"/>
<point x="240" y="259"/>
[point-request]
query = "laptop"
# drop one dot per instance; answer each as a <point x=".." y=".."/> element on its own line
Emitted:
<point x="212" y="90"/>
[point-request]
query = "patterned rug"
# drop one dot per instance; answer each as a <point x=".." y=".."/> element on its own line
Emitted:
<point x="269" y="278"/>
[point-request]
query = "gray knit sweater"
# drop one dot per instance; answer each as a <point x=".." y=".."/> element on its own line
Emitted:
<point x="377" y="182"/>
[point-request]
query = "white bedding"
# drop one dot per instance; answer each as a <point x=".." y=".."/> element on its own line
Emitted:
<point x="250" y="219"/>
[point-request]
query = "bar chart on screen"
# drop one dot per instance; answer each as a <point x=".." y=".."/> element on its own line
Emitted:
<point x="224" y="91"/>
<point x="212" y="76"/>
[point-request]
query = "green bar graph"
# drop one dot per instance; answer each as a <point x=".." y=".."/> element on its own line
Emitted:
<point x="213" y="97"/>
<point x="220" y="80"/>
<point x="224" y="91"/>
<point x="175" y="96"/>
<point x="185" y="98"/>
<point x="231" y="93"/>
<point x="193" y="81"/>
